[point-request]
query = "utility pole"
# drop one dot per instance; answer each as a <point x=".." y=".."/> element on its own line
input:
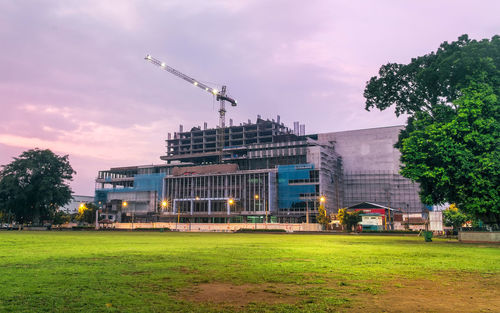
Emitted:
<point x="307" y="211"/>
<point x="265" y="204"/>
<point x="97" y="219"/>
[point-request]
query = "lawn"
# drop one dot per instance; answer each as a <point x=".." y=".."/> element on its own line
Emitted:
<point x="64" y="271"/>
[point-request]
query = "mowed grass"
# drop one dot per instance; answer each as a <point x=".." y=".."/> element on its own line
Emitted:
<point x="158" y="272"/>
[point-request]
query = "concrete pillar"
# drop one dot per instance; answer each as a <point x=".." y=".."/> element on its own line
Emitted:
<point x="209" y="206"/>
<point x="192" y="207"/>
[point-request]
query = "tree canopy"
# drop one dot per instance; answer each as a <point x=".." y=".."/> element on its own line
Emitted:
<point x="451" y="143"/>
<point x="348" y="219"/>
<point x="457" y="160"/>
<point x="435" y="78"/>
<point x="87" y="212"/>
<point x="35" y="185"/>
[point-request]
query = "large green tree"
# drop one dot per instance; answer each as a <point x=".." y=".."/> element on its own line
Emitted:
<point x="451" y="143"/>
<point x="457" y="159"/>
<point x="34" y="185"/>
<point x="437" y="78"/>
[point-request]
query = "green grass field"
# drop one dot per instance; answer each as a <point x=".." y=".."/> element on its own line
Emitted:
<point x="193" y="272"/>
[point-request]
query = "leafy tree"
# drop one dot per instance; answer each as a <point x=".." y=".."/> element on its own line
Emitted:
<point x="87" y="212"/>
<point x="322" y="217"/>
<point x="61" y="218"/>
<point x="453" y="217"/>
<point x="450" y="145"/>
<point x="348" y="219"/>
<point x="436" y="78"/>
<point x="457" y="159"/>
<point x="34" y="185"/>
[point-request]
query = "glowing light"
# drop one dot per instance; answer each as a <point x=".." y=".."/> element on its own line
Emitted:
<point x="164" y="203"/>
<point x="124" y="203"/>
<point x="214" y="91"/>
<point x="197" y="198"/>
<point x="230" y="201"/>
<point x="256" y="197"/>
<point x="162" y="64"/>
<point x="195" y="83"/>
<point x="82" y="205"/>
<point x="322" y="199"/>
<point x="148" y="57"/>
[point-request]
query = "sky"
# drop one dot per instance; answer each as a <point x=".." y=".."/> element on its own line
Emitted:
<point x="73" y="77"/>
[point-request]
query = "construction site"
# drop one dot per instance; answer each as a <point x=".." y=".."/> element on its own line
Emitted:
<point x="279" y="180"/>
<point x="257" y="172"/>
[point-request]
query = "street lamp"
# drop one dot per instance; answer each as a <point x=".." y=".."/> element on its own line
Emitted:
<point x="125" y="204"/>
<point x="164" y="206"/>
<point x="322" y="199"/>
<point x="230" y="202"/>
<point x="256" y="197"/>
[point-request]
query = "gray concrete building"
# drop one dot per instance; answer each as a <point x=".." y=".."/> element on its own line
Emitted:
<point x="264" y="170"/>
<point x="371" y="168"/>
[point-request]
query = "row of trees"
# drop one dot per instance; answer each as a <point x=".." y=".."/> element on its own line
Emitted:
<point x="451" y="144"/>
<point x="347" y="219"/>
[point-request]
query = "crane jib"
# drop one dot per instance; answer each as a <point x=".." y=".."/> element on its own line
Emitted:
<point x="193" y="81"/>
<point x="225" y="98"/>
<point x="221" y="97"/>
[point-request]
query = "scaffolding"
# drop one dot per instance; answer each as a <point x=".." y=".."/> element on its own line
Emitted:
<point x="382" y="187"/>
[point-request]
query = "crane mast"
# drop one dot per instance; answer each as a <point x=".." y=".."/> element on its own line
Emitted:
<point x="220" y="96"/>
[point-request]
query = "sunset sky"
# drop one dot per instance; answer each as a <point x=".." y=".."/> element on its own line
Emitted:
<point x="73" y="77"/>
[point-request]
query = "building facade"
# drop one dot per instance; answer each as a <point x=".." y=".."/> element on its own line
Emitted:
<point x="371" y="168"/>
<point x="265" y="171"/>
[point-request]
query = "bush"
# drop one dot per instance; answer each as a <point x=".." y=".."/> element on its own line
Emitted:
<point x="249" y="230"/>
<point x="153" y="229"/>
<point x="392" y="231"/>
<point x="83" y="227"/>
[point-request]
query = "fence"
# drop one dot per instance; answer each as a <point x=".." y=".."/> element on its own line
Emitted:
<point x="211" y="227"/>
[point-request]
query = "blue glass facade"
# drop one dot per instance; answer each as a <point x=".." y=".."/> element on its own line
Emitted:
<point x="289" y="194"/>
<point x="142" y="182"/>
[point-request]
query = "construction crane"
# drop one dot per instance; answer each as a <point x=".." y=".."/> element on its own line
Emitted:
<point x="220" y="96"/>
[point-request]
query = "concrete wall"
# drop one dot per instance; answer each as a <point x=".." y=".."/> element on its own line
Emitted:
<point x="366" y="149"/>
<point x="473" y="236"/>
<point x="371" y="168"/>
<point x="212" y="227"/>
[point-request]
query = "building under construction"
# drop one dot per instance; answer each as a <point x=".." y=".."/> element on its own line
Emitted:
<point x="265" y="171"/>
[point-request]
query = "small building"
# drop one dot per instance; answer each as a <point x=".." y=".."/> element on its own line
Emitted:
<point x="373" y="214"/>
<point x="372" y="221"/>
